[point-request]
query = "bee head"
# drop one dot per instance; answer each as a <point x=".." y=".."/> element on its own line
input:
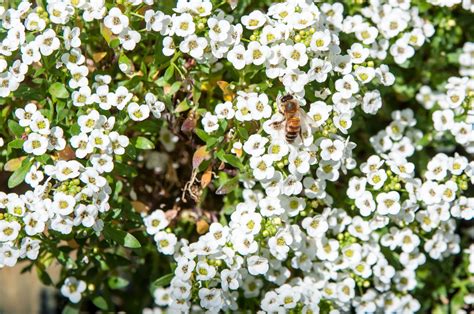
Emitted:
<point x="286" y="98"/>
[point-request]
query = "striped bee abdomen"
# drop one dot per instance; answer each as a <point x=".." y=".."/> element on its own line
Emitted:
<point x="293" y="128"/>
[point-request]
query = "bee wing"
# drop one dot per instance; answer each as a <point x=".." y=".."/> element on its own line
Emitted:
<point x="306" y="128"/>
<point x="306" y="122"/>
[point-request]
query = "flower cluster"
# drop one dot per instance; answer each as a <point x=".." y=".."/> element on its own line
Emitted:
<point x="452" y="110"/>
<point x="260" y="159"/>
<point x="465" y="4"/>
<point x="390" y="27"/>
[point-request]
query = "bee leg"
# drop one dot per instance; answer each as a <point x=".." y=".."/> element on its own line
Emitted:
<point x="277" y="124"/>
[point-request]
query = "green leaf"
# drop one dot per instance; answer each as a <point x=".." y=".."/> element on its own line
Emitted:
<point x="43" y="275"/>
<point x="19" y="175"/>
<point x="58" y="90"/>
<point x="121" y="237"/>
<point x="100" y="302"/>
<point x="233" y="161"/>
<point x="202" y="134"/>
<point x="124" y="60"/>
<point x="15" y="128"/>
<point x="168" y="73"/>
<point x="457" y="301"/>
<point x="162" y="281"/>
<point x="174" y="88"/>
<point x="146" y="127"/>
<point x="18" y="143"/>
<point x="228" y="186"/>
<point x="117" y="282"/>
<point x="114" y="43"/>
<point x="71" y="309"/>
<point x="243" y="132"/>
<point x="144" y="143"/>
<point x="125" y="170"/>
<point x="182" y="106"/>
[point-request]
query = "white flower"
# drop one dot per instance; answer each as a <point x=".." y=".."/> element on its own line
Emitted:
<point x="327" y="249"/>
<point x="243" y="243"/>
<point x="257" y="265"/>
<point x="347" y="86"/>
<point x="92" y="178"/>
<point x="204" y="271"/>
<point x="224" y="110"/>
<point x="256" y="53"/>
<point x="210" y="122"/>
<point x="295" y="80"/>
<point x="63" y="204"/>
<point x="194" y="46"/>
<point x="129" y="38"/>
<point x="254" y="20"/>
<point x="295" y="55"/>
<point x="25" y="115"/>
<point x="99" y="139"/>
<point x="9" y="230"/>
<point x="388" y="203"/>
<point x="48" y="42"/>
<point x="165" y="242"/>
<point x="443" y="120"/>
<point x="320" y="40"/>
<point x="255" y="145"/>
<point x="218" y="29"/>
<point x="169" y="47"/>
<point x="237" y="56"/>
<point x="34" y="176"/>
<point x="155" y="222"/>
<point x="39" y="124"/>
<point x="36" y="144"/>
<point x="85" y="215"/>
<point x="183" y="25"/>
<point x="230" y="279"/>
<point x="116" y="21"/>
<point x="118" y="143"/>
<point x="315" y="226"/>
<point x="331" y="150"/>
<point x="210" y="298"/>
<point x="78" y="76"/>
<point x="270" y="207"/>
<point x="73" y="289"/>
<point x="138" y="112"/>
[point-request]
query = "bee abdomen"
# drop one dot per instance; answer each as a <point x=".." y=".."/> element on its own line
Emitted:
<point x="293" y="128"/>
<point x="291" y="136"/>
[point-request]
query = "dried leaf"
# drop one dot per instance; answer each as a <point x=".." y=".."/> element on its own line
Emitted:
<point x="190" y="123"/>
<point x="140" y="207"/>
<point x="228" y="186"/>
<point x="98" y="56"/>
<point x="200" y="155"/>
<point x="106" y="33"/>
<point x="233" y="3"/>
<point x="206" y="177"/>
<point x="202" y="226"/>
<point x="225" y="87"/>
<point x="73" y="244"/>
<point x="171" y="214"/>
<point x="13" y="164"/>
<point x="67" y="154"/>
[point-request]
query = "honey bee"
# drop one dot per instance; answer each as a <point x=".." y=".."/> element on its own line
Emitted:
<point x="293" y="116"/>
